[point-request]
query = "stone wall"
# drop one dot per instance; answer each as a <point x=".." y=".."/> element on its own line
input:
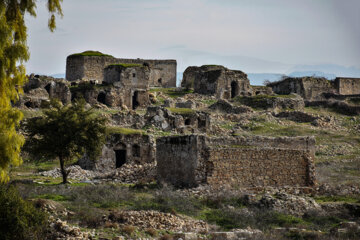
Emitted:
<point x="38" y="90"/>
<point x="178" y="159"/>
<point x="348" y="86"/>
<point x="307" y="87"/>
<point x="236" y="162"/>
<point x="162" y="72"/>
<point x="244" y="167"/>
<point x="121" y="149"/>
<point x="217" y="80"/>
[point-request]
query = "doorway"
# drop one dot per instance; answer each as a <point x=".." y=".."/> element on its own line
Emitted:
<point x="120" y="156"/>
<point x="234" y="89"/>
<point x="101" y="97"/>
<point x="135" y="102"/>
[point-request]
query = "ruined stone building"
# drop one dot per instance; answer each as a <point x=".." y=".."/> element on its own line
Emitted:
<point x="91" y="65"/>
<point x="311" y="88"/>
<point x="131" y="85"/>
<point x="187" y="161"/>
<point x="217" y="80"/>
<point x="120" y="149"/>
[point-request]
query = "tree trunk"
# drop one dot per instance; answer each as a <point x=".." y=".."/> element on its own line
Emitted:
<point x="63" y="170"/>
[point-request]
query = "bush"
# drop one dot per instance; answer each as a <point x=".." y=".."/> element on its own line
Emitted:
<point x="128" y="229"/>
<point x="20" y="219"/>
<point x="152" y="232"/>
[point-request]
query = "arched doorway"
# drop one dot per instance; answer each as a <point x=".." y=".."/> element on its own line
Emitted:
<point x="101" y="97"/>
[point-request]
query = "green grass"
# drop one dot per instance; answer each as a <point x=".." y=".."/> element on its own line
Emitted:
<point x="182" y="111"/>
<point x="91" y="53"/>
<point x="127" y="65"/>
<point x="28" y="113"/>
<point x="209" y="101"/>
<point x="335" y="198"/>
<point x="172" y="92"/>
<point x="124" y="131"/>
<point x="55" y="197"/>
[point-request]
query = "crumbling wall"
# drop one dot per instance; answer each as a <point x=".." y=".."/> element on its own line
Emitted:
<point x="140" y="149"/>
<point x="217" y="80"/>
<point x="307" y="87"/>
<point x="177" y="160"/>
<point x="39" y="90"/>
<point x="79" y="67"/>
<point x="348" y="86"/>
<point x="236" y="162"/>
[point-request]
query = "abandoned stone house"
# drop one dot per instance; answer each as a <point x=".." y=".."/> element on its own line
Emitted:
<point x="122" y="149"/>
<point x="91" y="65"/>
<point x="187" y="161"/>
<point x="314" y="88"/>
<point x="217" y="80"/>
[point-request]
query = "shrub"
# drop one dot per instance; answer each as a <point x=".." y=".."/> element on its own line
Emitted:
<point x="20" y="219"/>
<point x="128" y="229"/>
<point x="152" y="232"/>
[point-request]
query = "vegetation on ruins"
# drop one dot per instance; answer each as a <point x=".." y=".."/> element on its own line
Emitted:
<point x="127" y="65"/>
<point x="124" y="131"/>
<point x="91" y="53"/>
<point x="13" y="54"/>
<point x="66" y="132"/>
<point x="182" y="111"/>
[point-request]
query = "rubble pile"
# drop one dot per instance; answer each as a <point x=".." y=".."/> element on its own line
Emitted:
<point x="157" y="220"/>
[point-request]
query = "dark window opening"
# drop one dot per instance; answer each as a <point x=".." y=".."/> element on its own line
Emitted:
<point x="101" y="97"/>
<point x="134" y="74"/>
<point x="135" y="102"/>
<point x="160" y="80"/>
<point x="120" y="156"/>
<point x="28" y="104"/>
<point x="187" y="121"/>
<point x="234" y="89"/>
<point x="136" y="150"/>
<point x="201" y="123"/>
<point x="257" y="93"/>
<point x="47" y="87"/>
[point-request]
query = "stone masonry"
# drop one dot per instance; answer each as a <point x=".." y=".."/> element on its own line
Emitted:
<point x="122" y="149"/>
<point x="188" y="161"/>
<point x="217" y="80"/>
<point x="88" y="67"/>
<point x="313" y="88"/>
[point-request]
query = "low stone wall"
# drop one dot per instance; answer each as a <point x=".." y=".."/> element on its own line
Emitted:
<point x="188" y="161"/>
<point x="339" y="106"/>
<point x="244" y="167"/>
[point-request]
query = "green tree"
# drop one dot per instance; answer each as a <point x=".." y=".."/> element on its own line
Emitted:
<point x="13" y="53"/>
<point x="66" y="133"/>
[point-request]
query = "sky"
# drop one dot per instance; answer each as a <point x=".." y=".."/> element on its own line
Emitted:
<point x="272" y="36"/>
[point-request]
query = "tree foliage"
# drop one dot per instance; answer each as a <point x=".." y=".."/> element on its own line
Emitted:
<point x="66" y="132"/>
<point x="13" y="53"/>
<point x="19" y="219"/>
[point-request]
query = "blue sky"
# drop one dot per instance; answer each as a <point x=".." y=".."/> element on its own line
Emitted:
<point x="250" y="35"/>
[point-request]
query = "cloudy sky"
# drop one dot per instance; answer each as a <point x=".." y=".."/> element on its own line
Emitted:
<point x="250" y="35"/>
